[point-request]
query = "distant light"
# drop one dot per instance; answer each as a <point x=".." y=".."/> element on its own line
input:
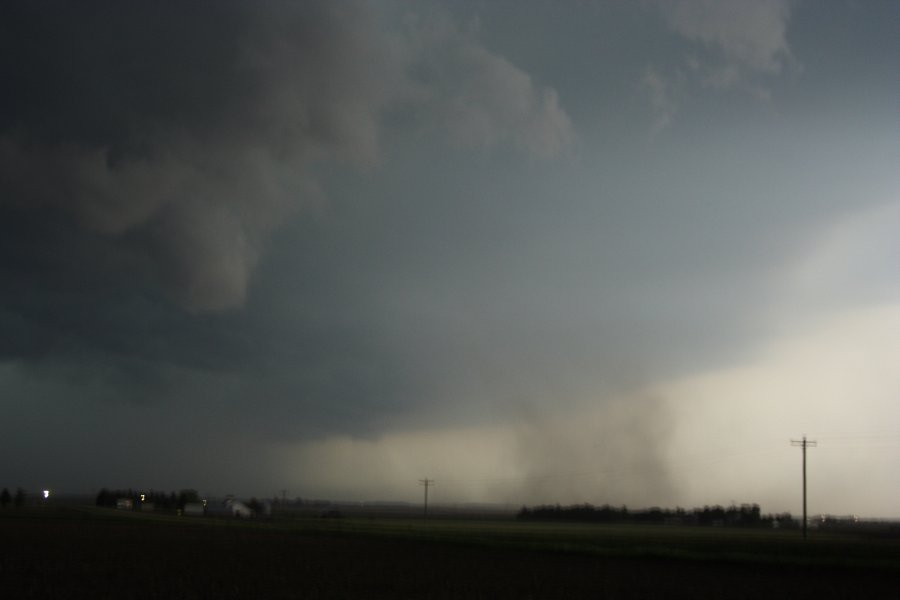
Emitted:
<point x="142" y="497"/>
<point x="46" y="494"/>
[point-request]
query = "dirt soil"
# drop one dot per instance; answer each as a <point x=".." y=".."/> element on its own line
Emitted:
<point x="65" y="558"/>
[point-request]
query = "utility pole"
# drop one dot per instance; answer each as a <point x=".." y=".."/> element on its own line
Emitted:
<point x="427" y="483"/>
<point x="804" y="444"/>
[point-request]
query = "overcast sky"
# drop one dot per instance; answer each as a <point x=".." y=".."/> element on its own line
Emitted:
<point x="608" y="252"/>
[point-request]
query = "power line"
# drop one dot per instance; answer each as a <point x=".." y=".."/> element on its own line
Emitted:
<point x="804" y="444"/>
<point x="861" y="440"/>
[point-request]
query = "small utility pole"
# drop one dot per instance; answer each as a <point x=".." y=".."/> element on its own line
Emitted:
<point x="804" y="444"/>
<point x="427" y="483"/>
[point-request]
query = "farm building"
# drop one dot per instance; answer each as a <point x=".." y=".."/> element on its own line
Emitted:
<point x="238" y="508"/>
<point x="230" y="507"/>
<point x="194" y="509"/>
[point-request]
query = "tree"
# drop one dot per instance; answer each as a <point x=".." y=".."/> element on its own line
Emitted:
<point x="105" y="498"/>
<point x="255" y="506"/>
<point x="5" y="498"/>
<point x="19" y="500"/>
<point x="187" y="497"/>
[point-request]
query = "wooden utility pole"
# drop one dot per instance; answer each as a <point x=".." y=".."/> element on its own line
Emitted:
<point x="804" y="444"/>
<point x="427" y="483"/>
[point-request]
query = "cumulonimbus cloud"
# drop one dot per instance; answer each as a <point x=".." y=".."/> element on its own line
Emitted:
<point x="190" y="136"/>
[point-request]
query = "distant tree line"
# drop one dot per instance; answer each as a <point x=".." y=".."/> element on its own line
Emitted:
<point x="161" y="500"/>
<point x="17" y="500"/>
<point x="745" y="515"/>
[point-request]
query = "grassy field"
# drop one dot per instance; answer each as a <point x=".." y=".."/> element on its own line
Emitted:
<point x="100" y="553"/>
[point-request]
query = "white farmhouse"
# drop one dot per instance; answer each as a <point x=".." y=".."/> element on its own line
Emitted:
<point x="237" y="508"/>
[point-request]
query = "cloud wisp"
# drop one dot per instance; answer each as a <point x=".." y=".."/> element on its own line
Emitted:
<point x="748" y="35"/>
<point x="735" y="45"/>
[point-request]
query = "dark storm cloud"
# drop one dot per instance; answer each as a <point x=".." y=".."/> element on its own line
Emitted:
<point x="187" y="134"/>
<point x="316" y="245"/>
<point x="148" y="155"/>
<point x="174" y="135"/>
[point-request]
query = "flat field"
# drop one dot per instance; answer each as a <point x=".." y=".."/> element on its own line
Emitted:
<point x="101" y="553"/>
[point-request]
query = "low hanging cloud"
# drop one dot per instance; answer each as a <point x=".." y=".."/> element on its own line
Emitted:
<point x="603" y="451"/>
<point x="183" y="138"/>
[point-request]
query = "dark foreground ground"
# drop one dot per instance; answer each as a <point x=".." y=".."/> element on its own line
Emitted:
<point x="78" y="554"/>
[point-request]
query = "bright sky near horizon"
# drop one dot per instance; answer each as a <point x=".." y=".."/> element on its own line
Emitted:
<point x="609" y="252"/>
